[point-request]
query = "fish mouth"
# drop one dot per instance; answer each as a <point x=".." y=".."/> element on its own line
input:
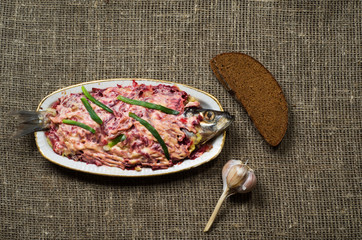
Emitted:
<point x="230" y="117"/>
<point x="210" y="131"/>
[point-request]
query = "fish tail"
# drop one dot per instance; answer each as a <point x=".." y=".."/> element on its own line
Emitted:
<point x="28" y="122"/>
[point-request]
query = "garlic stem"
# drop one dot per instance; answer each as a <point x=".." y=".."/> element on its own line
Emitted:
<point x="217" y="208"/>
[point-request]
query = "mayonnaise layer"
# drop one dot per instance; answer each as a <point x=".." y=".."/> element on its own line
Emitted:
<point x="140" y="148"/>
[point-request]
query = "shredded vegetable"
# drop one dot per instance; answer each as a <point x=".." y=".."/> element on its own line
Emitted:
<point x="91" y="112"/>
<point x="95" y="101"/>
<point x="153" y="131"/>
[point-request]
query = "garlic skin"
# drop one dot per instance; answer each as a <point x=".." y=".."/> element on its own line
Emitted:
<point x="238" y="177"/>
<point x="249" y="183"/>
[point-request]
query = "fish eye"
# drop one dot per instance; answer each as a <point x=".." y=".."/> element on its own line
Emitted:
<point x="209" y="115"/>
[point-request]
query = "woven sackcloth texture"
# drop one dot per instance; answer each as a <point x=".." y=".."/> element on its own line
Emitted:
<point x="308" y="188"/>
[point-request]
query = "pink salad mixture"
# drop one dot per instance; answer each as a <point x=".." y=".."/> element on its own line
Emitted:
<point x="140" y="148"/>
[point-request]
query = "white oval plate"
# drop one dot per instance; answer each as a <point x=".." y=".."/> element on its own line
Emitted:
<point x="206" y="100"/>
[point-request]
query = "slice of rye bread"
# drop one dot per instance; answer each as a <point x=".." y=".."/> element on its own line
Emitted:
<point x="257" y="90"/>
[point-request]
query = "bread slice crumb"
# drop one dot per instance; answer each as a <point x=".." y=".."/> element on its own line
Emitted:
<point x="257" y="90"/>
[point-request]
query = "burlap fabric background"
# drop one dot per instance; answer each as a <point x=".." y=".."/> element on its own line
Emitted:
<point x="309" y="187"/>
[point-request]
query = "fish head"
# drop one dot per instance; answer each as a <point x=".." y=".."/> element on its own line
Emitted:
<point x="212" y="122"/>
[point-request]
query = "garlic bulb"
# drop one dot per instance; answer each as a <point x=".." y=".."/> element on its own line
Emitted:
<point x="237" y="178"/>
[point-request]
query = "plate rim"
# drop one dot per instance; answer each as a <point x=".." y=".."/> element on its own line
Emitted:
<point x="153" y="174"/>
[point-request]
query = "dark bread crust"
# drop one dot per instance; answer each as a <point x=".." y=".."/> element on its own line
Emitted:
<point x="257" y="90"/>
